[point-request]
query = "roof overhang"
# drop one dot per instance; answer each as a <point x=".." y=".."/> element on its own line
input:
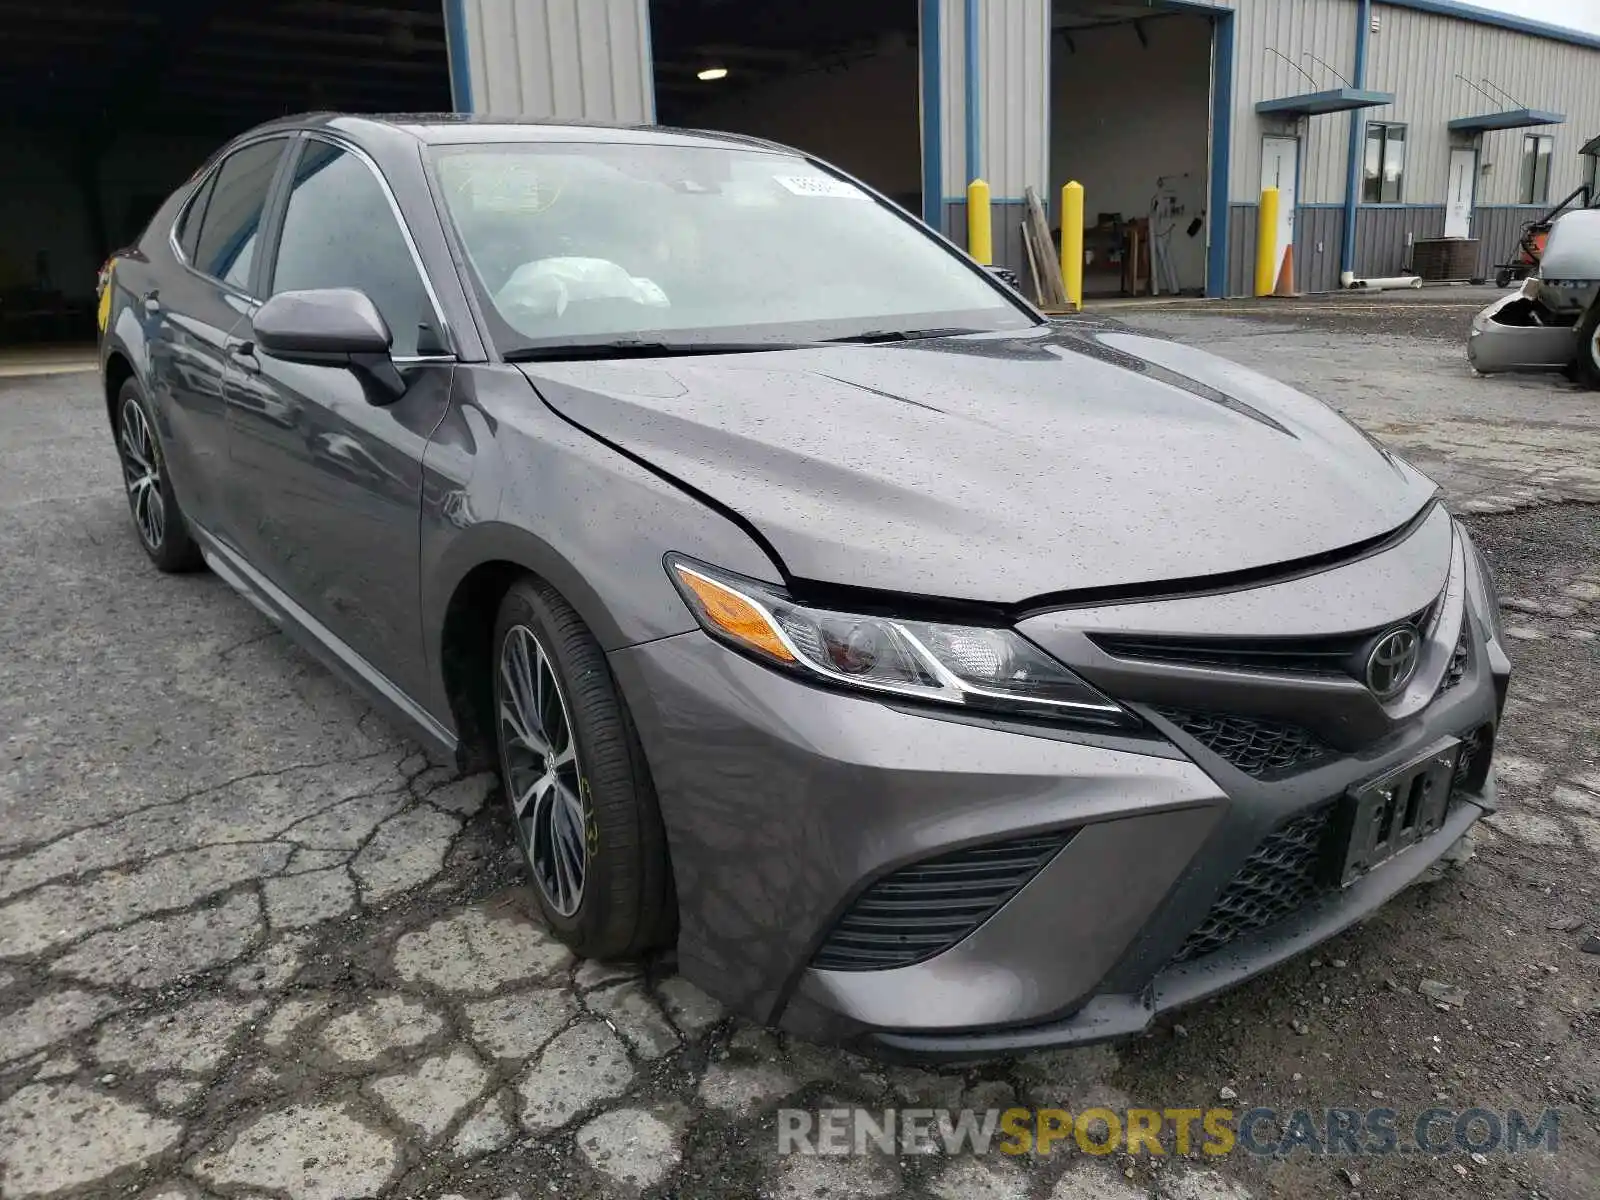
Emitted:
<point x="1312" y="104"/>
<point x="1591" y="147"/>
<point x="1516" y="118"/>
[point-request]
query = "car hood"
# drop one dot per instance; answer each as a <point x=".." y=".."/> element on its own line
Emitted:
<point x="1000" y="468"/>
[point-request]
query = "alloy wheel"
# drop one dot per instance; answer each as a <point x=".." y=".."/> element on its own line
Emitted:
<point x="543" y="778"/>
<point x="141" y="472"/>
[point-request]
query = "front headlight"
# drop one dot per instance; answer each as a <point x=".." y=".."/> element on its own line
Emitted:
<point x="967" y="666"/>
<point x="1481" y="587"/>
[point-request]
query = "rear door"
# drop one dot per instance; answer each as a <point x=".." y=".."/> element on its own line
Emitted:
<point x="1458" y="203"/>
<point x="191" y="311"/>
<point x="327" y="474"/>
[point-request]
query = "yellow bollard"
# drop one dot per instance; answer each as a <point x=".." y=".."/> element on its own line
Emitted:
<point x="1267" y="243"/>
<point x="980" y="223"/>
<point x="1072" y="243"/>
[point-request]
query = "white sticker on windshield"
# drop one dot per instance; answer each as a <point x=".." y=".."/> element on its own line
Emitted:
<point x="821" y="185"/>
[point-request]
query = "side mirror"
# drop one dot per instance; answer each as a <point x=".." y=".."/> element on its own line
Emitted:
<point x="332" y="327"/>
<point x="1006" y="276"/>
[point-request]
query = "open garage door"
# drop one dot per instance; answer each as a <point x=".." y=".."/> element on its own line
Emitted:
<point x="837" y="78"/>
<point x="107" y="105"/>
<point x="1130" y="119"/>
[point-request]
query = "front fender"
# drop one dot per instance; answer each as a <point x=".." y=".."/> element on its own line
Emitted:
<point x="508" y="481"/>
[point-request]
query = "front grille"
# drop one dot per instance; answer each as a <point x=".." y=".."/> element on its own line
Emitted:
<point x="922" y="910"/>
<point x="1280" y="878"/>
<point x="1330" y="654"/>
<point x="1258" y="748"/>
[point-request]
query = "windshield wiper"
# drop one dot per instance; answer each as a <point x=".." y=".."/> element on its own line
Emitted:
<point x="903" y="335"/>
<point x="634" y="348"/>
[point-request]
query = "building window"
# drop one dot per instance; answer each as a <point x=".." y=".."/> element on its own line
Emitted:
<point x="1536" y="152"/>
<point x="1386" y="163"/>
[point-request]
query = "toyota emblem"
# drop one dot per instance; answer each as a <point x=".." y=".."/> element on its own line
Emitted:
<point x="1392" y="662"/>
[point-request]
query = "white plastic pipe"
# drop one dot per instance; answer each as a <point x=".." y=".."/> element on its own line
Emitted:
<point x="1348" y="279"/>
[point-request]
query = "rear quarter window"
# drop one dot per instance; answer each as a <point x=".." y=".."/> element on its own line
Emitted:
<point x="187" y="231"/>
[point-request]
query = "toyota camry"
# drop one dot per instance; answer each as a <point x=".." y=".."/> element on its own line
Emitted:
<point x="930" y="675"/>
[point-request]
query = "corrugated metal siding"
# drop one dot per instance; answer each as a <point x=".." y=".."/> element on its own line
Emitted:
<point x="1317" y="270"/>
<point x="1417" y="55"/>
<point x="1242" y="221"/>
<point x="583" y="59"/>
<point x="1314" y="270"/>
<point x="1498" y="231"/>
<point x="952" y="97"/>
<point x="1013" y="100"/>
<point x="1292" y="28"/>
<point x="1381" y="236"/>
<point x="1006" y="232"/>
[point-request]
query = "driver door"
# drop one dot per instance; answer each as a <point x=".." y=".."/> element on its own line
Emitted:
<point x="327" y="470"/>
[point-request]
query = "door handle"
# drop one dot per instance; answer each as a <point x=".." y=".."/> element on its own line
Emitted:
<point x="151" y="302"/>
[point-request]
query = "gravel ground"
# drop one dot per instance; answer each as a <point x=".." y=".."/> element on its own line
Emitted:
<point x="254" y="944"/>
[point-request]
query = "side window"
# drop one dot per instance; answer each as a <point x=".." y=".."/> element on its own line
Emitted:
<point x="227" y="243"/>
<point x="340" y="231"/>
<point x="188" y="230"/>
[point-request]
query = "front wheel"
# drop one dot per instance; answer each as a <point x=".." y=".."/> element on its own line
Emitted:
<point x="1588" y="361"/>
<point x="582" y="804"/>
<point x="156" y="516"/>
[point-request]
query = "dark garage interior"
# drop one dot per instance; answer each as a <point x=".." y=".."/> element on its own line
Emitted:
<point x="838" y="78"/>
<point x="107" y="105"/>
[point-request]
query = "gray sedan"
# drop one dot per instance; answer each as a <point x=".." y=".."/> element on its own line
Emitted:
<point x="932" y="676"/>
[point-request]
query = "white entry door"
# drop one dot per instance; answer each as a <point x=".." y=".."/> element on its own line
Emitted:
<point x="1280" y="158"/>
<point x="1458" y="204"/>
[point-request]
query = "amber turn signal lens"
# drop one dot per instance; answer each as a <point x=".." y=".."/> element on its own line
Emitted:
<point x="734" y="615"/>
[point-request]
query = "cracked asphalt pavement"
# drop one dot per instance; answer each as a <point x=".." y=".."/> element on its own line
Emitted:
<point x="253" y="943"/>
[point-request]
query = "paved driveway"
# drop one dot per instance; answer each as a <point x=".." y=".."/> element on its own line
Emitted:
<point x="253" y="944"/>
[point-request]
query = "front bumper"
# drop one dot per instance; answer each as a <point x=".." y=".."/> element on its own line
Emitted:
<point x="783" y="802"/>
<point x="1495" y="343"/>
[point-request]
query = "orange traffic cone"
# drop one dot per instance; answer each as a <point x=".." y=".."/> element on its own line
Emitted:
<point x="1285" y="284"/>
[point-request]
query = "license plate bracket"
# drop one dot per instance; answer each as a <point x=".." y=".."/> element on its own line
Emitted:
<point x="1382" y="817"/>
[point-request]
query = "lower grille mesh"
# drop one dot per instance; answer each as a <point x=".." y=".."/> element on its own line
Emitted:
<point x="1256" y="747"/>
<point x="922" y="910"/>
<point x="1280" y="878"/>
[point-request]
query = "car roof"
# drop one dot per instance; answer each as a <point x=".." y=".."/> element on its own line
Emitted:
<point x="477" y="128"/>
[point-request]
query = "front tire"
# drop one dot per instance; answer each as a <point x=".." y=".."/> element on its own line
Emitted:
<point x="156" y="516"/>
<point x="582" y="804"/>
<point x="1588" y="362"/>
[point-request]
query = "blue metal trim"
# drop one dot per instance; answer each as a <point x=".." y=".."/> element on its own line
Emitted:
<point x="1221" y="147"/>
<point x="1352" y="170"/>
<point x="932" y="125"/>
<point x="455" y="49"/>
<point x="1312" y="104"/>
<point x="1516" y="118"/>
<point x="971" y="78"/>
<point x="1484" y="16"/>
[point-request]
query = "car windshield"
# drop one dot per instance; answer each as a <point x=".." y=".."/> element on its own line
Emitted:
<point x="585" y="243"/>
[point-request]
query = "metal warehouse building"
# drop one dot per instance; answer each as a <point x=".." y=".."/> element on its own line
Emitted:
<point x="1382" y="123"/>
